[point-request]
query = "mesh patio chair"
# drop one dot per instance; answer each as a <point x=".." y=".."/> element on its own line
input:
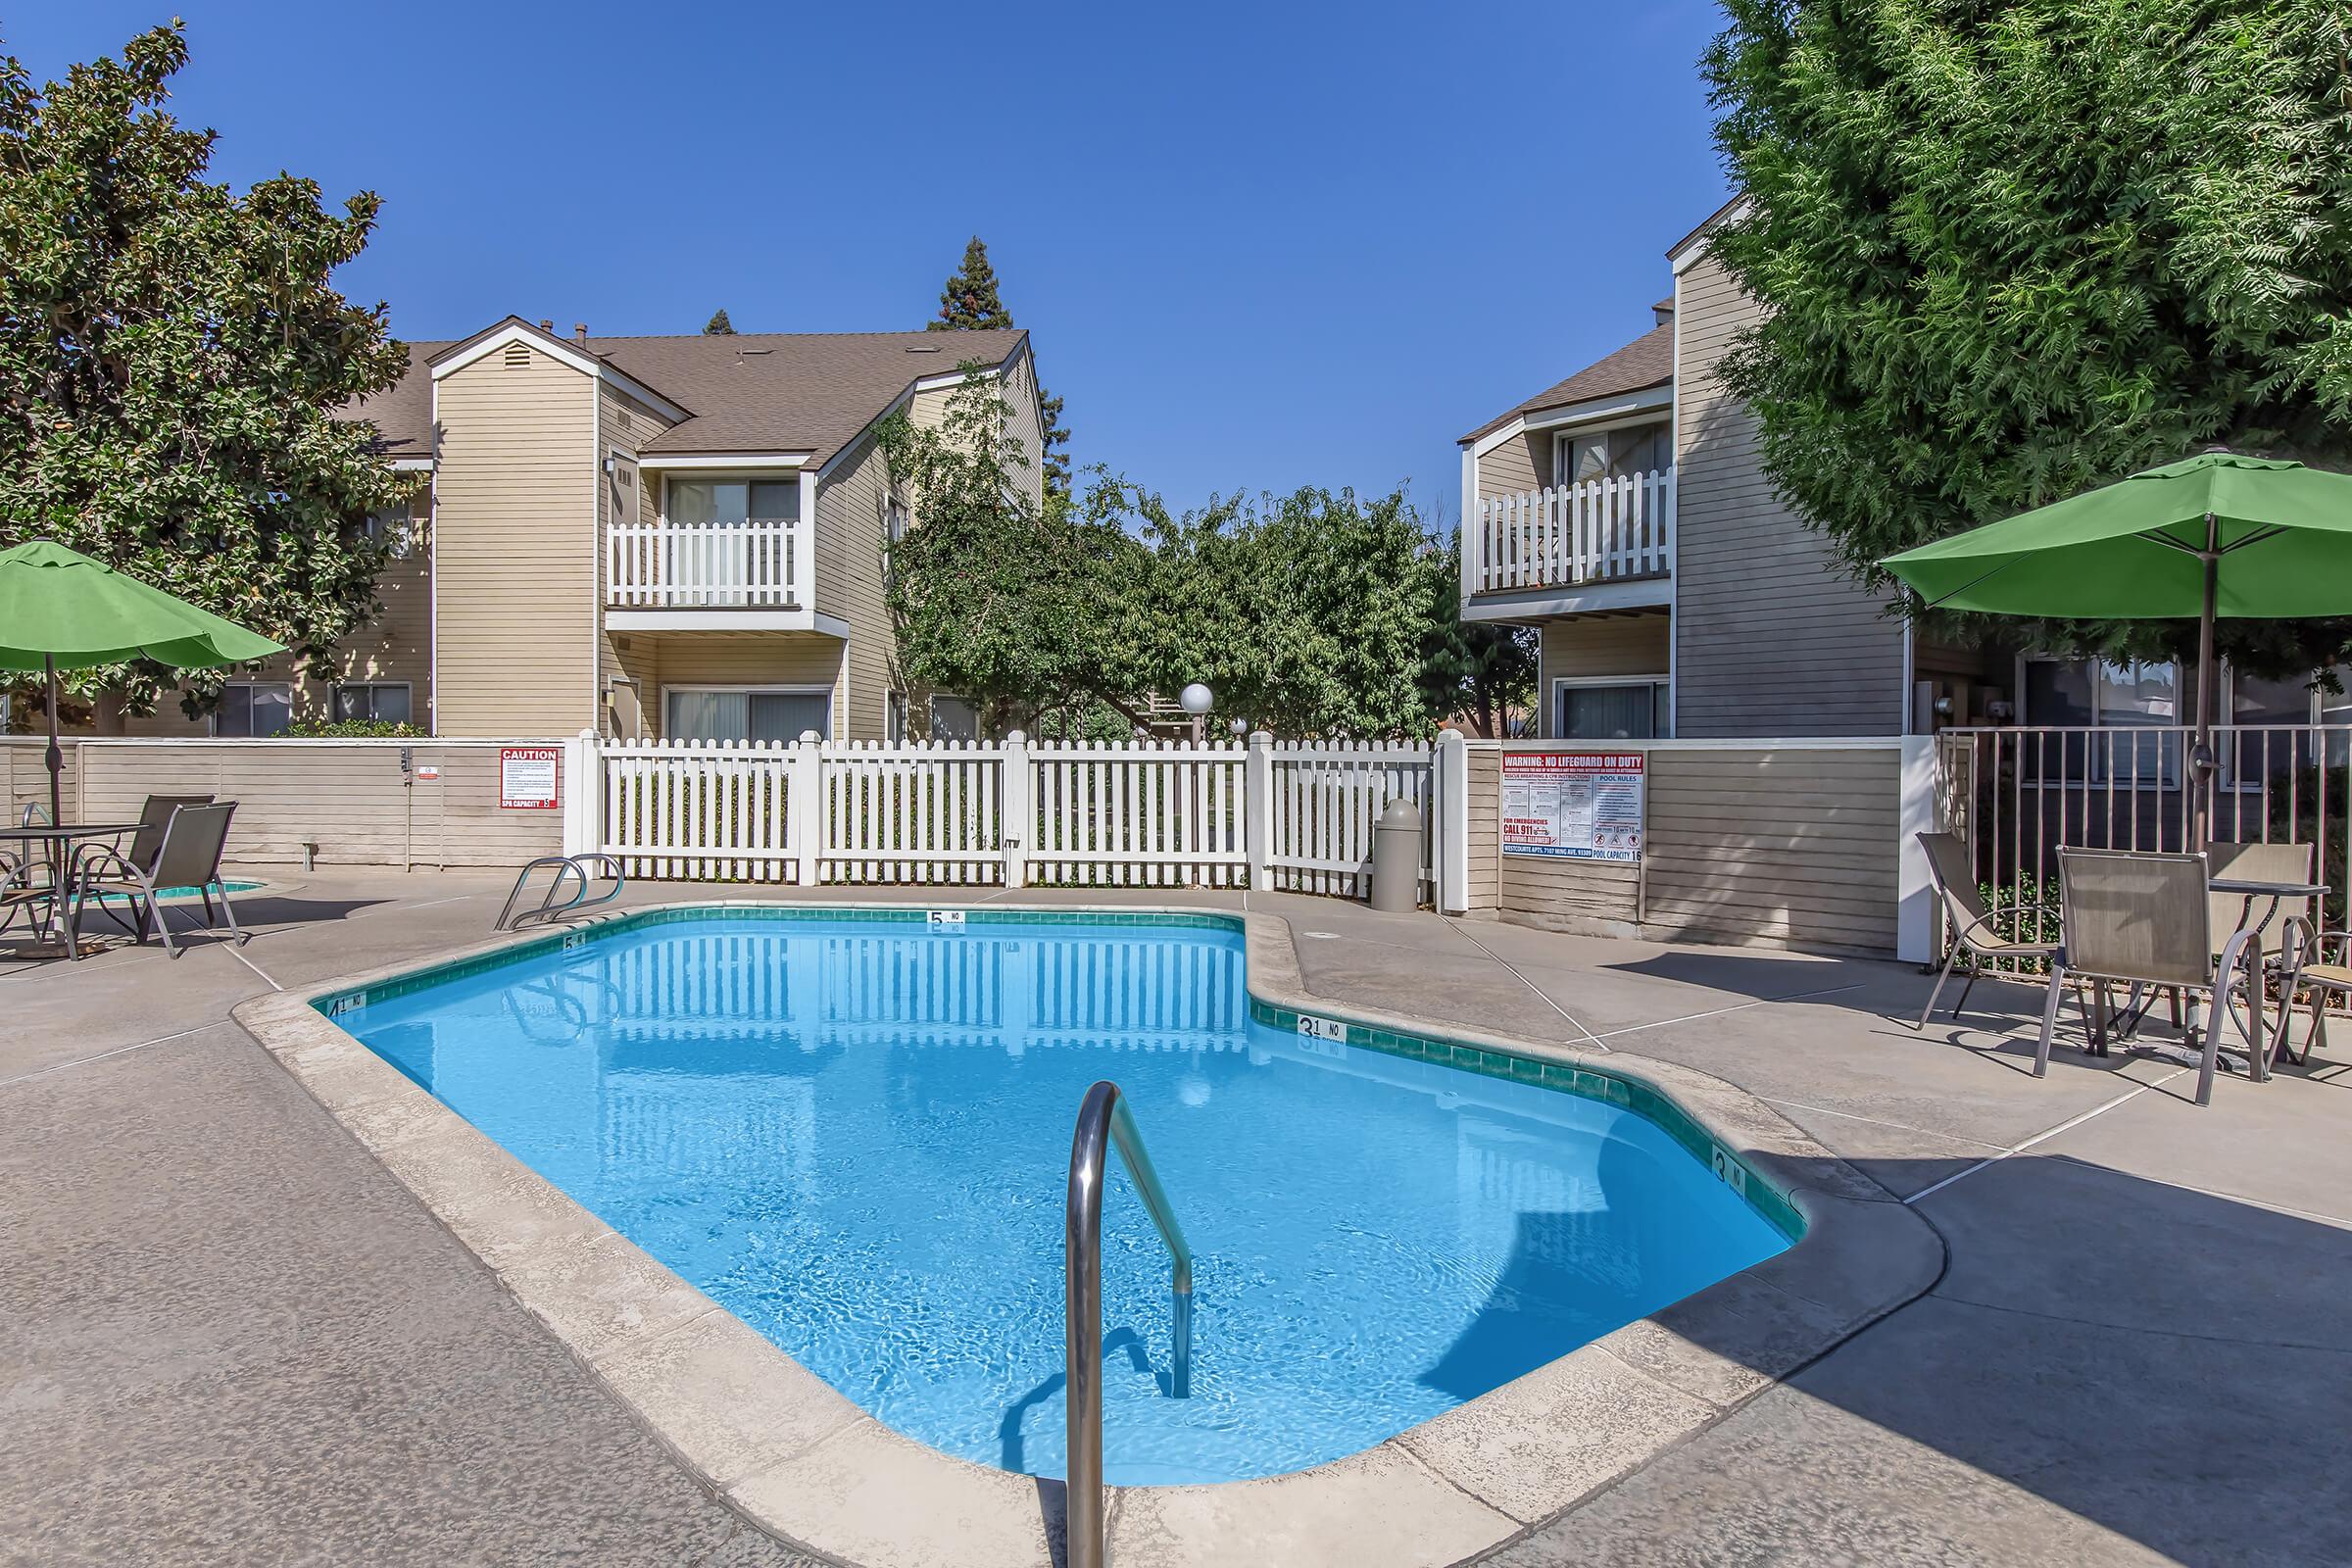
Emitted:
<point x="25" y="890"/>
<point x="1952" y="869"/>
<point x="2281" y="927"/>
<point x="2147" y="920"/>
<point x="189" y="857"/>
<point x="145" y="844"/>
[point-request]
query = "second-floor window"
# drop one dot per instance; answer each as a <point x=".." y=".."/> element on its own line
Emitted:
<point x="730" y="503"/>
<point x="1635" y="449"/>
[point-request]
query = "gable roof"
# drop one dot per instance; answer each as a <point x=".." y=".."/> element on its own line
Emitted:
<point x="812" y="392"/>
<point x="1645" y="363"/>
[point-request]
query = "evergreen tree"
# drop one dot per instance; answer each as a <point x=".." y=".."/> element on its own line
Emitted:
<point x="2011" y="251"/>
<point x="969" y="302"/>
<point x="173" y="356"/>
<point x="718" y="325"/>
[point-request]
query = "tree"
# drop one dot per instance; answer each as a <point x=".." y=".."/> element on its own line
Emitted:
<point x="1308" y="615"/>
<point x="1484" y="668"/>
<point x="2012" y="251"/>
<point x="969" y="303"/>
<point x="718" y="325"/>
<point x="172" y="358"/>
<point x="1031" y="609"/>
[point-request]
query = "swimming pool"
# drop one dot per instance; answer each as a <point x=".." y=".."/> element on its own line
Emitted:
<point x="853" y="1133"/>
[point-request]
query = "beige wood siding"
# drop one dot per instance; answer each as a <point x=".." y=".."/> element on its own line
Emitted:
<point x="1773" y="640"/>
<point x="24" y="776"/>
<point x="1583" y="647"/>
<point x="735" y="659"/>
<point x="348" y="798"/>
<point x="849" y="585"/>
<point x="1019" y="389"/>
<point x="1484" y="762"/>
<point x="395" y="645"/>
<point x="624" y="425"/>
<point x="1519" y="464"/>
<point x="517" y="548"/>
<point x="1786" y="845"/>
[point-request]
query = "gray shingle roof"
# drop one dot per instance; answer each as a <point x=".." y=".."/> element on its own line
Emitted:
<point x="1647" y="362"/>
<point x="811" y="392"/>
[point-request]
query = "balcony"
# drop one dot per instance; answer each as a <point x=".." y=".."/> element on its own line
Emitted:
<point x="1602" y="544"/>
<point x="741" y="565"/>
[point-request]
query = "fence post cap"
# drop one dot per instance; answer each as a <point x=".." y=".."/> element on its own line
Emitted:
<point x="1260" y="737"/>
<point x="1014" y="738"/>
<point x="808" y="735"/>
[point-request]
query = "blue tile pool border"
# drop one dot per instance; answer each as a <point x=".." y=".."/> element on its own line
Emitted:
<point x="1484" y="1059"/>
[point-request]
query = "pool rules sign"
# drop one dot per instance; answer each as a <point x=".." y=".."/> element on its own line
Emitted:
<point x="1578" y="805"/>
<point x="527" y="778"/>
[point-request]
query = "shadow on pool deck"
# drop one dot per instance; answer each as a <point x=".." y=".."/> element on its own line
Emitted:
<point x="2106" y="1359"/>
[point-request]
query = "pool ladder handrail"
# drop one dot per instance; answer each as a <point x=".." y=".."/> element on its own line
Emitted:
<point x="549" y="908"/>
<point x="1104" y="1121"/>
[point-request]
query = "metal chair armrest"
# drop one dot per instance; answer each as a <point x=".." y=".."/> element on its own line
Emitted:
<point x="1986" y="925"/>
<point x="93" y="857"/>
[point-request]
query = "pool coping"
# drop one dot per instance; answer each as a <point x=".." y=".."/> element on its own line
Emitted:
<point x="799" y="1459"/>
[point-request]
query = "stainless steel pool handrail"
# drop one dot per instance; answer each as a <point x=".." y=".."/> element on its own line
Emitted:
<point x="1103" y="1119"/>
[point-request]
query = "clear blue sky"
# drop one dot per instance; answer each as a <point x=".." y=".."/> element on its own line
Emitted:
<point x="1258" y="246"/>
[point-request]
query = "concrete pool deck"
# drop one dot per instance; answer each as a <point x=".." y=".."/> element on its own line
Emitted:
<point x="232" y="1336"/>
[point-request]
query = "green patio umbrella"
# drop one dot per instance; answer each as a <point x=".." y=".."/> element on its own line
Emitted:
<point x="61" y="609"/>
<point x="2216" y="535"/>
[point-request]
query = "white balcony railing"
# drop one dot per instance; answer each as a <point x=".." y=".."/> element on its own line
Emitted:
<point x="662" y="565"/>
<point x="1598" y="532"/>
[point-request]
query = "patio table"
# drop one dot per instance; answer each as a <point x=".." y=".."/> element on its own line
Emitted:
<point x="2278" y="892"/>
<point x="61" y="839"/>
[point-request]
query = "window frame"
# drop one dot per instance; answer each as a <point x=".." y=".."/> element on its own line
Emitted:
<point x="753" y="689"/>
<point x="1560" y="685"/>
<point x="337" y="689"/>
<point x="2168" y="766"/>
<point x="213" y="723"/>
<point x="1564" y="438"/>
<point x="785" y="479"/>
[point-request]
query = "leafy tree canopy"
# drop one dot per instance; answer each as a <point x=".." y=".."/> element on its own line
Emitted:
<point x="1307" y="614"/>
<point x="718" y="325"/>
<point x="171" y="360"/>
<point x="1483" y="668"/>
<point x="2012" y="251"/>
<point x="969" y="301"/>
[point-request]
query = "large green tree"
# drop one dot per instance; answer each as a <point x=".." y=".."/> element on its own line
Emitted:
<point x="718" y="325"/>
<point x="1309" y="614"/>
<point x="1032" y="609"/>
<point x="968" y="301"/>
<point x="172" y="356"/>
<point x="2010" y="251"/>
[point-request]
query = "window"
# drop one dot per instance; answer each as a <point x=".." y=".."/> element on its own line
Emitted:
<point x="379" y="702"/>
<point x="730" y="503"/>
<point x="1635" y="449"/>
<point x="397" y="528"/>
<point x="2104" y="694"/>
<point x="253" y="709"/>
<point x="955" y="718"/>
<point x="894" y="718"/>
<point x="745" y="713"/>
<point x="1634" y="709"/>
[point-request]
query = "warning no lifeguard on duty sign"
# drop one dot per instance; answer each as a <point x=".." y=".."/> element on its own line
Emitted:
<point x="1579" y="805"/>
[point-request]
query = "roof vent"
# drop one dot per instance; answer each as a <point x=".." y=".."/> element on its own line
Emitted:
<point x="519" y="356"/>
<point x="922" y="348"/>
<point x="547" y="325"/>
<point x="579" y="333"/>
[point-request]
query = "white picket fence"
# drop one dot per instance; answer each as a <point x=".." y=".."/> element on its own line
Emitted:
<point x="1324" y="800"/>
<point x="1295" y="817"/>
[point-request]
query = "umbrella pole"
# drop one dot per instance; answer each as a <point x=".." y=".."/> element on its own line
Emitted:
<point x="56" y="758"/>
<point x="2202" y="758"/>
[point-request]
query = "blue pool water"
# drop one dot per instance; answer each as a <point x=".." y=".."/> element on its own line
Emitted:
<point x="855" y="1137"/>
